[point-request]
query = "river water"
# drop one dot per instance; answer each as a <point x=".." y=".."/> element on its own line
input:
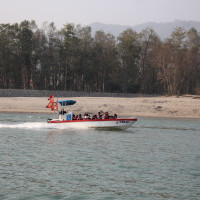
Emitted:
<point x="154" y="159"/>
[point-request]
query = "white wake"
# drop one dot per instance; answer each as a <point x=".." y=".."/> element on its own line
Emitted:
<point x="33" y="125"/>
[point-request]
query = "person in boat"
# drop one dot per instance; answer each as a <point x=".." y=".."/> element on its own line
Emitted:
<point x="62" y="112"/>
<point x="106" y="116"/>
<point x="99" y="116"/>
<point x="79" y="117"/>
<point x="94" y="117"/>
<point x="73" y="117"/>
<point x="86" y="116"/>
<point x="113" y="117"/>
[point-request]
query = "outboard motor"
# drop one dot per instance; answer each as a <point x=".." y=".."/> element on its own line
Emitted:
<point x="49" y="120"/>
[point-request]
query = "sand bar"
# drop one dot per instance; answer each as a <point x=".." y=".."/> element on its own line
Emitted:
<point x="182" y="107"/>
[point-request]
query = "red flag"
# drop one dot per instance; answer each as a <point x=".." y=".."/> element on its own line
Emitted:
<point x="51" y="98"/>
<point x="51" y="103"/>
<point x="54" y="106"/>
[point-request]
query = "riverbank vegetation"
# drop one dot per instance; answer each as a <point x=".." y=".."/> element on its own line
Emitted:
<point x="73" y="59"/>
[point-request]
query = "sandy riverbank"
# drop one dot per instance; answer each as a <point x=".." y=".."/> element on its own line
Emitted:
<point x="182" y="107"/>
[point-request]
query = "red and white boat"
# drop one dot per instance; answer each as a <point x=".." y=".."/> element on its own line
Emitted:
<point x="68" y="119"/>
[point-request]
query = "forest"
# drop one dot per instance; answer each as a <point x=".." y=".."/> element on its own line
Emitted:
<point x="75" y="60"/>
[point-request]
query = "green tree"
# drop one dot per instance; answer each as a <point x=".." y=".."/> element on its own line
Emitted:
<point x="9" y="59"/>
<point x="129" y="52"/>
<point x="105" y="57"/>
<point x="148" y="75"/>
<point x="192" y="82"/>
<point x="84" y="72"/>
<point x="68" y="53"/>
<point x="26" y="50"/>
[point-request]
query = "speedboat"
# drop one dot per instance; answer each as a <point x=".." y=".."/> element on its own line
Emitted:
<point x="68" y="119"/>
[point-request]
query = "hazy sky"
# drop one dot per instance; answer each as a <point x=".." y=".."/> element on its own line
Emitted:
<point x="84" y="12"/>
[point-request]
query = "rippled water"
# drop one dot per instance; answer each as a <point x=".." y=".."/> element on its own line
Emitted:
<point x="155" y="159"/>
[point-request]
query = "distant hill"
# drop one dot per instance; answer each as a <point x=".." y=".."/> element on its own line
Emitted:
<point x="164" y="30"/>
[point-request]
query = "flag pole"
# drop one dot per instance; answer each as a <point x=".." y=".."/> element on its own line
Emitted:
<point x="57" y="108"/>
<point x="53" y="107"/>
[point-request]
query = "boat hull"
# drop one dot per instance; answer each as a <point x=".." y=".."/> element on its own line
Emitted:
<point x="95" y="123"/>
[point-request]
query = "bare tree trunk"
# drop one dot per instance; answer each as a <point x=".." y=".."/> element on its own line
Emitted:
<point x="66" y="71"/>
<point x="104" y="74"/>
<point x="143" y="66"/>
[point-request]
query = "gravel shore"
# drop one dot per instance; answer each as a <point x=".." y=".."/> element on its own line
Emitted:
<point x="182" y="107"/>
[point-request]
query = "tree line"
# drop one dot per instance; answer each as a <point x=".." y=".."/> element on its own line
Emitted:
<point x="73" y="59"/>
